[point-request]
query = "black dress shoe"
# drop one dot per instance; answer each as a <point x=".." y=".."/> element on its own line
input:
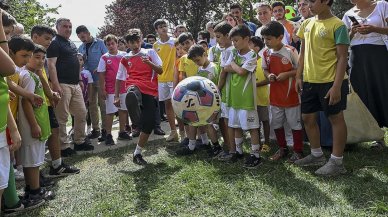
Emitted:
<point x="159" y="131"/>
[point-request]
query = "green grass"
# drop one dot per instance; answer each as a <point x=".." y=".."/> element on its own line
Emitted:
<point x="111" y="185"/>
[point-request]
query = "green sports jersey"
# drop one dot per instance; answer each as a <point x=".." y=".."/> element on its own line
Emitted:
<point x="4" y="99"/>
<point x="215" y="54"/>
<point x="241" y="93"/>
<point x="212" y="72"/>
<point x="41" y="113"/>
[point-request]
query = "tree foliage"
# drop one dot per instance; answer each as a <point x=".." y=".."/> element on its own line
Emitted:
<point x="122" y="15"/>
<point x="31" y="12"/>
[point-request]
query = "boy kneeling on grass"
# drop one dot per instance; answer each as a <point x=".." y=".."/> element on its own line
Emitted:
<point x="138" y="72"/>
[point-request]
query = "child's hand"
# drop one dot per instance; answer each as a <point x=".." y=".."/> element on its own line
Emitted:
<point x="55" y="99"/>
<point x="281" y="77"/>
<point x="299" y="85"/>
<point x="16" y="140"/>
<point x="117" y="101"/>
<point x="39" y="72"/>
<point x="35" y="100"/>
<point x="36" y="132"/>
<point x="12" y="96"/>
<point x="334" y="95"/>
<point x="272" y="77"/>
<point x="146" y="60"/>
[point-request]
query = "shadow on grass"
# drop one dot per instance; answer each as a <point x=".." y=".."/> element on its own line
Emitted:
<point x="147" y="179"/>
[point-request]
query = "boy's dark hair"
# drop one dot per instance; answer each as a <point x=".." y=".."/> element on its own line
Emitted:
<point x="205" y="35"/>
<point x="39" y="49"/>
<point x="179" y="26"/>
<point x="184" y="37"/>
<point x="279" y="3"/>
<point x="151" y="36"/>
<point x="81" y="29"/>
<point x="257" y="42"/>
<point x="133" y="35"/>
<point x="223" y="28"/>
<point x="122" y="40"/>
<point x="8" y="19"/>
<point x="21" y="42"/>
<point x="159" y="22"/>
<point x="203" y="42"/>
<point x="42" y="29"/>
<point x="240" y="30"/>
<point x="273" y="28"/>
<point x="110" y="37"/>
<point x="234" y="6"/>
<point x="4" y="5"/>
<point x="195" y="51"/>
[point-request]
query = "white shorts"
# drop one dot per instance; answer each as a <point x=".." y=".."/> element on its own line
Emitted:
<point x="4" y="161"/>
<point x="244" y="119"/>
<point x="282" y="115"/>
<point x="109" y="103"/>
<point x="31" y="154"/>
<point x="224" y="110"/>
<point x="165" y="90"/>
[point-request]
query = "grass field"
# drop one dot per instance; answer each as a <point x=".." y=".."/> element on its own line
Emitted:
<point x="111" y="185"/>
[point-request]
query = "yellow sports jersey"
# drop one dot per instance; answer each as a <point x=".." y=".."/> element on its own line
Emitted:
<point x="320" y="39"/>
<point x="46" y="79"/>
<point x="167" y="53"/>
<point x="188" y="66"/>
<point x="262" y="92"/>
<point x="14" y="103"/>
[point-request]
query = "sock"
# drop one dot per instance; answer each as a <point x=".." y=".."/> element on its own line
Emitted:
<point x="255" y="150"/>
<point x="137" y="150"/>
<point x="56" y="163"/>
<point x="36" y="191"/>
<point x="239" y="142"/>
<point x="298" y="140"/>
<point x="205" y="139"/>
<point x="192" y="144"/>
<point x="281" y="137"/>
<point x="337" y="160"/>
<point x="20" y="168"/>
<point x="10" y="195"/>
<point x="316" y="152"/>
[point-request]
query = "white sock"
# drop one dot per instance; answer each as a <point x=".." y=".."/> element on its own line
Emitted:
<point x="336" y="159"/>
<point x="205" y="139"/>
<point x="255" y="150"/>
<point x="192" y="144"/>
<point x="317" y="152"/>
<point x="239" y="142"/>
<point x="56" y="163"/>
<point x="137" y="150"/>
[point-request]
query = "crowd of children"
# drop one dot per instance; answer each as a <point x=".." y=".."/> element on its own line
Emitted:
<point x="259" y="77"/>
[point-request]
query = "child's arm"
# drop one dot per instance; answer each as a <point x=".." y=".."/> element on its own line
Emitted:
<point x="269" y="76"/>
<point x="239" y="70"/>
<point x="101" y="77"/>
<point x="222" y="80"/>
<point x="299" y="70"/>
<point x="334" y="94"/>
<point x="13" y="132"/>
<point x="121" y="76"/>
<point x="36" y="100"/>
<point x="52" y="96"/>
<point x="29" y="113"/>
<point x="176" y="77"/>
<point x="285" y="75"/>
<point x="7" y="65"/>
<point x="158" y="69"/>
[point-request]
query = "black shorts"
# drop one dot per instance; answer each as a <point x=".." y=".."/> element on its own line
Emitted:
<point x="53" y="119"/>
<point x="313" y="98"/>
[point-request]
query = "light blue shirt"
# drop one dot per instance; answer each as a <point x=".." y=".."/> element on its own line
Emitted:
<point x="95" y="51"/>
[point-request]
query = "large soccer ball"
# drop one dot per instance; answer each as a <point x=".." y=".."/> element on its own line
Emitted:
<point x="196" y="100"/>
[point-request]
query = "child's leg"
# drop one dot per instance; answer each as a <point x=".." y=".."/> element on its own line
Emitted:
<point x="238" y="139"/>
<point x="278" y="120"/>
<point x="181" y="127"/>
<point x="293" y="119"/>
<point x="54" y="145"/>
<point x="123" y="120"/>
<point x="255" y="140"/>
<point x="312" y="129"/>
<point x="232" y="143"/>
<point x="109" y="123"/>
<point x="266" y="129"/>
<point x="202" y="130"/>
<point x="339" y="133"/>
<point x="224" y="132"/>
<point x="31" y="175"/>
<point x="212" y="134"/>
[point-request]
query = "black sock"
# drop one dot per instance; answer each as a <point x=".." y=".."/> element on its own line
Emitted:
<point x="36" y="191"/>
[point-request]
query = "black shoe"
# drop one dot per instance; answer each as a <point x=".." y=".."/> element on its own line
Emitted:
<point x="63" y="170"/>
<point x="94" y="134"/>
<point x="44" y="182"/>
<point x="128" y="128"/>
<point x="138" y="159"/>
<point x="32" y="201"/>
<point x="103" y="136"/>
<point x="83" y="147"/>
<point x="252" y="162"/>
<point x="109" y="140"/>
<point x="68" y="152"/>
<point x="185" y="151"/>
<point x="184" y="142"/>
<point x="159" y="131"/>
<point x="203" y="146"/>
<point x="135" y="132"/>
<point x="123" y="136"/>
<point x="215" y="151"/>
<point x="43" y="194"/>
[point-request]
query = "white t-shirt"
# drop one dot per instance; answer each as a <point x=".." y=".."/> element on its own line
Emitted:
<point x="286" y="38"/>
<point x="225" y="55"/>
<point x="86" y="73"/>
<point x="213" y="42"/>
<point x="376" y="18"/>
<point x="210" y="55"/>
<point x="249" y="61"/>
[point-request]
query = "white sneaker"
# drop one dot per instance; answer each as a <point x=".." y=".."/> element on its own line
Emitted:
<point x="173" y="137"/>
<point x="19" y="175"/>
